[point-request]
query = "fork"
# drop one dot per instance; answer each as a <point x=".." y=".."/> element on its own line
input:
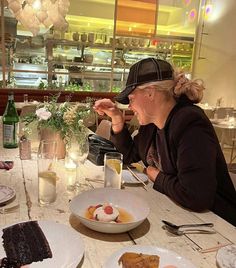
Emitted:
<point x="94" y="180"/>
<point x="9" y="209"/>
<point x="188" y="231"/>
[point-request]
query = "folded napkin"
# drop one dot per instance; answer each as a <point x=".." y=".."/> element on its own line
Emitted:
<point x="6" y="165"/>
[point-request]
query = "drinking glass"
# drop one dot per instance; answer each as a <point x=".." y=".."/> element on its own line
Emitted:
<point x="232" y="120"/>
<point x="113" y="164"/>
<point x="47" y="176"/>
<point x="45" y="98"/>
<point x="78" y="152"/>
<point x="227" y="111"/>
<point x="25" y="98"/>
<point x="67" y="98"/>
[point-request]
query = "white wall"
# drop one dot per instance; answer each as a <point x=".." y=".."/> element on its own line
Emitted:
<point x="218" y="69"/>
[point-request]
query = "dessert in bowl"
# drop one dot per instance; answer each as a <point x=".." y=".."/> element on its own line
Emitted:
<point x="103" y="212"/>
<point x="109" y="210"/>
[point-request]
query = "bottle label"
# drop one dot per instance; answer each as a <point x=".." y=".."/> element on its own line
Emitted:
<point x="10" y="133"/>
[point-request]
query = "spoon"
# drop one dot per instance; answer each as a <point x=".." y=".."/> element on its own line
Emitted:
<point x="172" y="225"/>
<point x="188" y="231"/>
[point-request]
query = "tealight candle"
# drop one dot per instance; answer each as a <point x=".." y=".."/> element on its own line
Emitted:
<point x="69" y="164"/>
<point x="71" y="177"/>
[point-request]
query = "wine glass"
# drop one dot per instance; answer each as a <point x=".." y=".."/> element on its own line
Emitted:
<point x="78" y="152"/>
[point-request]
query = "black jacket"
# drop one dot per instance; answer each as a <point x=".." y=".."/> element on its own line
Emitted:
<point x="193" y="169"/>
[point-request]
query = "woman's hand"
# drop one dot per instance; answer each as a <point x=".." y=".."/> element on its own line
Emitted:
<point x="106" y="106"/>
<point x="152" y="173"/>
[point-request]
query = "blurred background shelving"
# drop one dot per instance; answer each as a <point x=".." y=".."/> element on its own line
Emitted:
<point x="99" y="45"/>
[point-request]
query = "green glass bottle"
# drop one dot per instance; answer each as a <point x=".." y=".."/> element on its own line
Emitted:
<point x="10" y="122"/>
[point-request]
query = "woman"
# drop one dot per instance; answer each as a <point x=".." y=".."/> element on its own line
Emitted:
<point x="176" y="140"/>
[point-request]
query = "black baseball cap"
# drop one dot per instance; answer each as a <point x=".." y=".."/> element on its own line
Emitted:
<point x="145" y="71"/>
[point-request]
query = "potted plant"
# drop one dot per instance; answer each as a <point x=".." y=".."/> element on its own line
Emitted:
<point x="60" y="122"/>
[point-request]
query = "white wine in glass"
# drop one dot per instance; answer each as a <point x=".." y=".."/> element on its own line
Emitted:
<point x="47" y="176"/>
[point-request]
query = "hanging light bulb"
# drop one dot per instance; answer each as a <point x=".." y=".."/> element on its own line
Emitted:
<point x="33" y="14"/>
<point x="36" y="5"/>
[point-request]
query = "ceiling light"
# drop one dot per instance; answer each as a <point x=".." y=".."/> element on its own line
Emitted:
<point x="33" y="14"/>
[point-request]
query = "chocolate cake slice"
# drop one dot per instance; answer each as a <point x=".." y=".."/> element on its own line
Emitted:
<point x="25" y="243"/>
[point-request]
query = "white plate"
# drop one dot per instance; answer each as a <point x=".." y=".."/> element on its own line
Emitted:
<point x="66" y="245"/>
<point x="127" y="177"/>
<point x="6" y="194"/>
<point x="226" y="257"/>
<point x="167" y="257"/>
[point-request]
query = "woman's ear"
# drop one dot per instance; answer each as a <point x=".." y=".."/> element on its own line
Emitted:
<point x="151" y="92"/>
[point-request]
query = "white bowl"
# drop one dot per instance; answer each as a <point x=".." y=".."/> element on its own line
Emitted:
<point x="133" y="204"/>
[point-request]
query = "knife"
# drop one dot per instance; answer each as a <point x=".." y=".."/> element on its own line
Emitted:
<point x="137" y="177"/>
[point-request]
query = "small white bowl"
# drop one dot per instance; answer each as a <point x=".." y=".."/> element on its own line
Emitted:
<point x="128" y="201"/>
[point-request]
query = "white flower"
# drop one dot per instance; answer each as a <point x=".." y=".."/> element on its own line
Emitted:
<point x="61" y="106"/>
<point x="43" y="114"/>
<point x="80" y="122"/>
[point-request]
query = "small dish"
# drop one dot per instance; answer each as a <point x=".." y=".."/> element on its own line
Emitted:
<point x="128" y="178"/>
<point x="167" y="257"/>
<point x="6" y="194"/>
<point x="226" y="257"/>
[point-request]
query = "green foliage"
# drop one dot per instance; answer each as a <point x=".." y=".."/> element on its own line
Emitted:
<point x="116" y="89"/>
<point x="64" y="117"/>
<point x="42" y="85"/>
